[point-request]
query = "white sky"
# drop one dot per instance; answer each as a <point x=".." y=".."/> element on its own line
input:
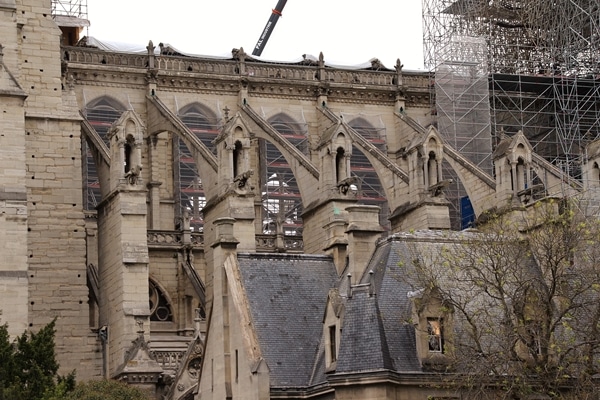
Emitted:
<point x="348" y="32"/>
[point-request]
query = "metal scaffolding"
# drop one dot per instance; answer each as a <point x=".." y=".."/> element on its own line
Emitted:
<point x="72" y="18"/>
<point x="541" y="61"/>
<point x="70" y="8"/>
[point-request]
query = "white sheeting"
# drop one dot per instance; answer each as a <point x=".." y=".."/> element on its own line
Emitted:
<point x="141" y="49"/>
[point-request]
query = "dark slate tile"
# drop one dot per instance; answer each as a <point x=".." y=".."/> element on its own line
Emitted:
<point x="287" y="296"/>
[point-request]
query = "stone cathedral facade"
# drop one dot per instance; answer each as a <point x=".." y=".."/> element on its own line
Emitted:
<point x="206" y="227"/>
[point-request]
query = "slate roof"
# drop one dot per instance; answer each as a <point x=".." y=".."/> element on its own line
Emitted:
<point x="287" y="295"/>
<point x="393" y="306"/>
<point x="363" y="345"/>
<point x="392" y="333"/>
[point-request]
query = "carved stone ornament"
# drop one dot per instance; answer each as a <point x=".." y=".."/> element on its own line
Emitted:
<point x="242" y="179"/>
<point x="133" y="175"/>
<point x="193" y="367"/>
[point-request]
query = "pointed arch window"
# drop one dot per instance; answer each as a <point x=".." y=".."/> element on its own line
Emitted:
<point x="370" y="189"/>
<point x="101" y="114"/>
<point x="281" y="200"/>
<point x="190" y="193"/>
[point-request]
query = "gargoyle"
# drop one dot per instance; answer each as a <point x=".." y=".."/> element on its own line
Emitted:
<point x="133" y="174"/>
<point x="242" y="179"/>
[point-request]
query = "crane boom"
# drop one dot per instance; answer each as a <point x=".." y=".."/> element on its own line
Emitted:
<point x="264" y="37"/>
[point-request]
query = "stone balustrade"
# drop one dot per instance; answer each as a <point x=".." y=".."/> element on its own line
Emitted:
<point x="268" y="243"/>
<point x="264" y="243"/>
<point x="168" y="360"/>
<point x="252" y="70"/>
<point x="157" y="239"/>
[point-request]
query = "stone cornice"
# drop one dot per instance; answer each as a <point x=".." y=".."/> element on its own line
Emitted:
<point x="275" y="80"/>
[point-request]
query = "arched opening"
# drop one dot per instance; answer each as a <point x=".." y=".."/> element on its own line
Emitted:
<point x="281" y="200"/>
<point x="129" y="144"/>
<point x="370" y="190"/>
<point x="432" y="169"/>
<point x="521" y="175"/>
<point x="237" y="159"/>
<point x="189" y="192"/>
<point x="340" y="165"/>
<point x="101" y="114"/>
<point x="203" y="122"/>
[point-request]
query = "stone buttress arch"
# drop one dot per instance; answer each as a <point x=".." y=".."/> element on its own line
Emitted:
<point x="200" y="177"/>
<point x="100" y="114"/>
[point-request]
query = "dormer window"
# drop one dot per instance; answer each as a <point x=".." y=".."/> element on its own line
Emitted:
<point x="435" y="335"/>
<point x="332" y="344"/>
<point x="332" y="323"/>
<point x="433" y="328"/>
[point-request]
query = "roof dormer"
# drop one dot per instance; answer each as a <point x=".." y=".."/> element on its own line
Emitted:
<point x="332" y="325"/>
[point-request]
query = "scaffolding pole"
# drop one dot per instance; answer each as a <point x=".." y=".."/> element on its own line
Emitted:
<point x="542" y="61"/>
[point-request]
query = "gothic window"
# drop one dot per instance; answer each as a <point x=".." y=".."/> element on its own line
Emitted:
<point x="160" y="307"/>
<point x="203" y="122"/>
<point x="370" y="189"/>
<point x="596" y="174"/>
<point x="435" y="335"/>
<point x="282" y="203"/>
<point x="101" y="113"/>
<point x="190" y="192"/>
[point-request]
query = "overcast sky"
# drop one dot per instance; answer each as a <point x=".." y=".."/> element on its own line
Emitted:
<point x="348" y="32"/>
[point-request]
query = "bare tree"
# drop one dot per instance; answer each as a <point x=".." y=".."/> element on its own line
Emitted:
<point x="524" y="295"/>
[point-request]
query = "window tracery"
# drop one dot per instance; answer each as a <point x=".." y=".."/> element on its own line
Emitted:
<point x="160" y="307"/>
